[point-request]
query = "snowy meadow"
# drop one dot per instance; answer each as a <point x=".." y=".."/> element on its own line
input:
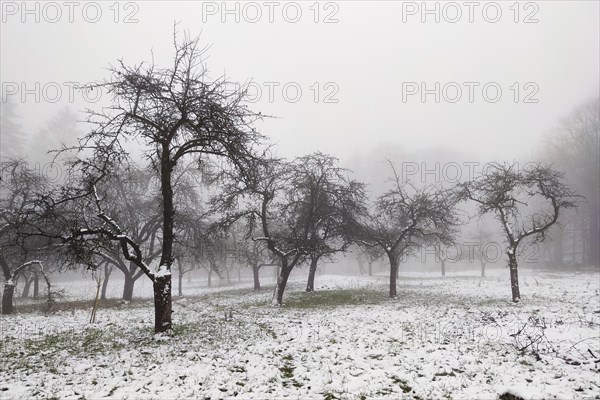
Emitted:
<point x="453" y="338"/>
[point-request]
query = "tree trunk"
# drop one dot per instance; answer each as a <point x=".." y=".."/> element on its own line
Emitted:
<point x="239" y="273"/>
<point x="7" y="297"/>
<point x="209" y="277"/>
<point x="443" y="268"/>
<point x="255" y="271"/>
<point x="26" y="287"/>
<point x="310" y="285"/>
<point x="482" y="269"/>
<point x="514" y="276"/>
<point x="9" y="288"/>
<point x="393" y="275"/>
<point x="228" y="279"/>
<point x="95" y="306"/>
<point x="36" y="285"/>
<point x="128" y="287"/>
<point x="162" y="305"/>
<point x="107" y="272"/>
<point x="281" y="283"/>
<point x="370" y="268"/>
<point x="162" y="284"/>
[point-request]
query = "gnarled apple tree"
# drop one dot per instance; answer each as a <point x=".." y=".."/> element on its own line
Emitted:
<point x="525" y="202"/>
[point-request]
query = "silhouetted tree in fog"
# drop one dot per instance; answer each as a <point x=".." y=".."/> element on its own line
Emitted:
<point x="406" y="217"/>
<point x="505" y="191"/>
<point x="21" y="249"/>
<point x="330" y="202"/>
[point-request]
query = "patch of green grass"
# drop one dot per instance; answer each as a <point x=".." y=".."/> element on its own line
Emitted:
<point x="402" y="384"/>
<point x="74" y="305"/>
<point x="89" y="341"/>
<point x="383" y="392"/>
<point x="334" y="298"/>
<point x="287" y="371"/>
<point x="444" y="373"/>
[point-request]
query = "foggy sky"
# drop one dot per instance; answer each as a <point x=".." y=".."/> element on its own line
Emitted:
<point x="366" y="55"/>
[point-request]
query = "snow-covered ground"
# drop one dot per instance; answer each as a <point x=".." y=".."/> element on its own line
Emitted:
<point x="439" y="339"/>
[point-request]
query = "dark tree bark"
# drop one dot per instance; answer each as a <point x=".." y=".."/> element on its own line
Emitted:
<point x="443" y="268"/>
<point x="370" y="268"/>
<point x="393" y="275"/>
<point x="9" y="288"/>
<point x="483" y="269"/>
<point x="7" y="298"/>
<point x="255" y="274"/>
<point x="310" y="285"/>
<point x="162" y="304"/>
<point x="162" y="284"/>
<point x="9" y="283"/>
<point x="281" y="283"/>
<point x="514" y="276"/>
<point x="209" y="278"/>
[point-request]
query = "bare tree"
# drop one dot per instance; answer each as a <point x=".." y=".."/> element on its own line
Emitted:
<point x="252" y="254"/>
<point x="370" y="254"/>
<point x="405" y="217"/>
<point x="330" y="202"/>
<point x="173" y="113"/>
<point x="261" y="195"/>
<point x="480" y="240"/>
<point x="444" y="252"/>
<point x="504" y="191"/>
<point x="19" y="208"/>
<point x="300" y="208"/>
<point x="257" y="256"/>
